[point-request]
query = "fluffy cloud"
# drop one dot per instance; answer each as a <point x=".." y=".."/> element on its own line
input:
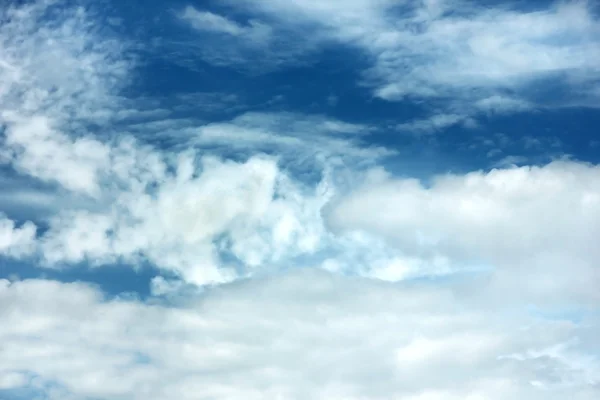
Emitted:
<point x="536" y="225"/>
<point x="49" y="155"/>
<point x="244" y="208"/>
<point x="297" y="336"/>
<point x="16" y="241"/>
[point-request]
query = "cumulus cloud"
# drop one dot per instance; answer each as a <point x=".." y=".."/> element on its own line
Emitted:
<point x="50" y="155"/>
<point x="178" y="225"/>
<point x="298" y="336"/>
<point x="16" y="241"/>
<point x="535" y="225"/>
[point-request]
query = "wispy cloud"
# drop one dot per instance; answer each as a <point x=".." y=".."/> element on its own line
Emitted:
<point x="454" y="55"/>
<point x="47" y="67"/>
<point x="204" y="20"/>
<point x="207" y="21"/>
<point x="497" y="104"/>
<point x="254" y="46"/>
<point x="486" y="50"/>
<point x="294" y="138"/>
<point x="435" y="123"/>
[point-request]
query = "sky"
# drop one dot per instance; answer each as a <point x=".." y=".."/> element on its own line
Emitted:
<point x="308" y="199"/>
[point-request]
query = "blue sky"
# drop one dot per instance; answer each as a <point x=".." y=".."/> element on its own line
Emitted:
<point x="252" y="199"/>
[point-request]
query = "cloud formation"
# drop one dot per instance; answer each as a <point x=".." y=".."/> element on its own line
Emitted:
<point x="207" y="21"/>
<point x="460" y="58"/>
<point x="16" y="241"/>
<point x="254" y="46"/>
<point x="292" y="262"/>
<point x="316" y="335"/>
<point x="185" y="213"/>
<point x="537" y="223"/>
<point x="295" y="139"/>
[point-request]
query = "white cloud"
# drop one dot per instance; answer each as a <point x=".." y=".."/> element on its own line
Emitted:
<point x="16" y="241"/>
<point x="181" y="222"/>
<point x="487" y="49"/>
<point x="254" y="33"/>
<point x="536" y="225"/>
<point x="254" y="46"/>
<point x="57" y="75"/>
<point x="135" y="207"/>
<point x="48" y="155"/>
<point x="204" y="20"/>
<point x="434" y="123"/>
<point x="301" y="335"/>
<point x="11" y="380"/>
<point x="295" y="138"/>
<point x="502" y="104"/>
<point x="60" y="66"/>
<point x="175" y="226"/>
<point x="510" y="161"/>
<point x="457" y="54"/>
<point x="210" y="220"/>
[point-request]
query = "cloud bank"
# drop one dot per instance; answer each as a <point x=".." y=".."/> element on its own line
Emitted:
<point x="316" y="335"/>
